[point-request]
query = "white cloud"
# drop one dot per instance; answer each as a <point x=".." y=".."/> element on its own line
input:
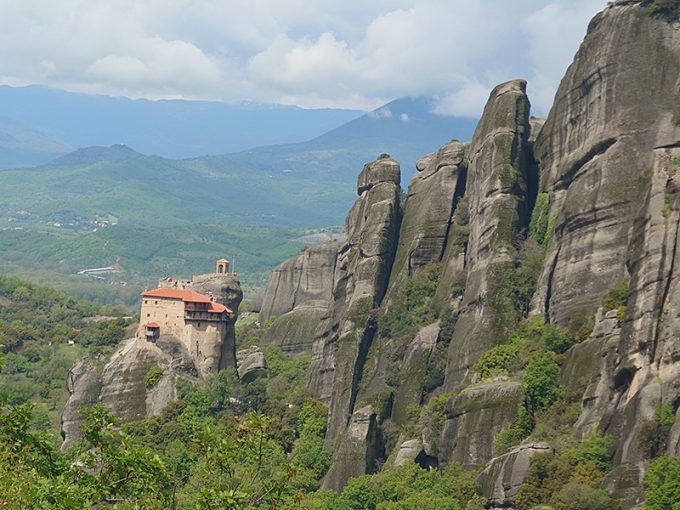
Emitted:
<point x="404" y="117"/>
<point x="307" y="52"/>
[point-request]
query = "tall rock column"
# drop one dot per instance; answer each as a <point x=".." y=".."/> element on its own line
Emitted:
<point x="609" y="154"/>
<point x="496" y="195"/>
<point x="361" y="273"/>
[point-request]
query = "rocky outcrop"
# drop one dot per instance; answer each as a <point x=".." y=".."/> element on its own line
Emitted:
<point x="298" y="294"/>
<point x="361" y="273"/>
<point x="305" y="281"/>
<point x="607" y="155"/>
<point x="226" y="290"/>
<point x="250" y="364"/>
<point x="474" y="418"/>
<point x="356" y="452"/>
<point x="606" y="163"/>
<point x="428" y="211"/>
<point x="84" y="386"/>
<point x="500" y="480"/>
<point x="413" y="372"/>
<point x="119" y="385"/>
<point x="119" y="382"/>
<point x="616" y="103"/>
<point x="496" y="196"/>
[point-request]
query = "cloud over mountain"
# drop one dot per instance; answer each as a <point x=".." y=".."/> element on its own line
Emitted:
<point x="305" y="52"/>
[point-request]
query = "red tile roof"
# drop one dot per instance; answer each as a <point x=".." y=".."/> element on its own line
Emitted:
<point x="152" y="325"/>
<point x="218" y="308"/>
<point x="185" y="295"/>
<point x="188" y="296"/>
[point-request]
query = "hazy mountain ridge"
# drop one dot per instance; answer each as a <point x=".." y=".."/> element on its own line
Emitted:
<point x="169" y="128"/>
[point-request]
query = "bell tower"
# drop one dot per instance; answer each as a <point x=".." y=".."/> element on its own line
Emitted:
<point x="222" y="266"/>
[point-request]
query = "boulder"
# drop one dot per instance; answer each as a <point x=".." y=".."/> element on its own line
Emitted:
<point x="250" y="364"/>
<point x="413" y="451"/>
<point x="501" y="478"/>
<point x="474" y="418"/>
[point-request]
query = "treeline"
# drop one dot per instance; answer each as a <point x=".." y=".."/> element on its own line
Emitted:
<point x="42" y="333"/>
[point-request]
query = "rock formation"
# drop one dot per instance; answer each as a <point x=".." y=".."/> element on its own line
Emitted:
<point x="603" y="167"/>
<point x="297" y="297"/>
<point x="119" y="383"/>
<point x="501" y="479"/>
<point x="362" y="271"/>
<point x="604" y="163"/>
<point x="250" y="364"/>
<point x="497" y="202"/>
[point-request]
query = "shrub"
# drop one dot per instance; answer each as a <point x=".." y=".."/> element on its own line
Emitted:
<point x="595" y="450"/>
<point x="575" y="496"/>
<point x="515" y="434"/>
<point x="556" y="340"/>
<point x="616" y="297"/>
<point x="497" y="359"/>
<point x="654" y="433"/>
<point x="538" y="226"/>
<point x="447" y="323"/>
<point x="153" y="376"/>
<point x="433" y="412"/>
<point x="540" y="382"/>
<point x="662" y="484"/>
<point x="665" y="9"/>
<point x="568" y="480"/>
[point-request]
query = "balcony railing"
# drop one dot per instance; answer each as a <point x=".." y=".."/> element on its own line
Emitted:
<point x="204" y="316"/>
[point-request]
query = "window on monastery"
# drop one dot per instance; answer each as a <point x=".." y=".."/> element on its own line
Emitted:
<point x="148" y="315"/>
<point x="155" y="302"/>
<point x="199" y="324"/>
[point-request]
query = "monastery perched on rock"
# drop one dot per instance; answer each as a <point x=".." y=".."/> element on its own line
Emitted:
<point x="186" y="329"/>
<point x="198" y="312"/>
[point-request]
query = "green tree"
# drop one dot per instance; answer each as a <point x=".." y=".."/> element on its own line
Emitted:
<point x="662" y="484"/>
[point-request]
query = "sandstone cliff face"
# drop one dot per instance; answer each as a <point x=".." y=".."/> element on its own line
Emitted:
<point x="501" y="479"/>
<point x="361" y="275"/>
<point x="298" y="294"/>
<point x="607" y="156"/>
<point x="428" y="212"/>
<point x="497" y="198"/>
<point x="118" y="383"/>
<point x="359" y="282"/>
<point x="474" y="418"/>
<point x="607" y="160"/>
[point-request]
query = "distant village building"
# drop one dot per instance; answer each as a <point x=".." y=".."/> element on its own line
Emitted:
<point x="193" y="318"/>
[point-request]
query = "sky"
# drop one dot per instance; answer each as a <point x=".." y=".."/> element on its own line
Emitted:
<point x="311" y="53"/>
